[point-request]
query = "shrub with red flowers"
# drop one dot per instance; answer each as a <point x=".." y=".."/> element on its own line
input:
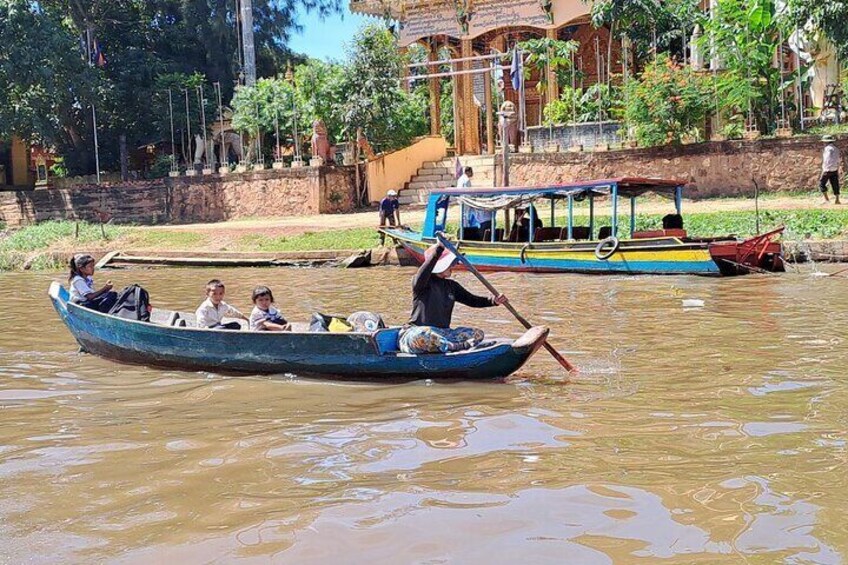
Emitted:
<point x="666" y="102"/>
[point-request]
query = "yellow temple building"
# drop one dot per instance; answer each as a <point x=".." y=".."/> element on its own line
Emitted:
<point x="470" y="28"/>
<point x="14" y="164"/>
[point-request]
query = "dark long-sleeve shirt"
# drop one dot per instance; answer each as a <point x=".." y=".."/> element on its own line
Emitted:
<point x="433" y="297"/>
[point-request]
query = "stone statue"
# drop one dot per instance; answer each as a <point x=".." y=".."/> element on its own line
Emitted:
<point x="463" y="14"/>
<point x="202" y="151"/>
<point x="320" y="142"/>
<point x="548" y="7"/>
<point x="363" y="144"/>
<point x="513" y="134"/>
<point x="232" y="140"/>
<point x="199" y="150"/>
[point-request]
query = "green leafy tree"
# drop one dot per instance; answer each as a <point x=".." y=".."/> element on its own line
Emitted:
<point x="51" y="88"/>
<point x="546" y="54"/>
<point x="375" y="101"/>
<point x="579" y="105"/>
<point x="321" y="95"/>
<point x="745" y="35"/>
<point x="652" y="25"/>
<point x="45" y="83"/>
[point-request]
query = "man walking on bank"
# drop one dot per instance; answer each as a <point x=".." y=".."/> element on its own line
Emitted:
<point x="830" y="168"/>
<point x="389" y="212"/>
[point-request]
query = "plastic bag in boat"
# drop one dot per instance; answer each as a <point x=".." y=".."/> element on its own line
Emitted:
<point x="332" y="324"/>
<point x="366" y="322"/>
<point x="133" y="304"/>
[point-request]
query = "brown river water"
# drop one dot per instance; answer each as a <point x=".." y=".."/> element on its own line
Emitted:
<point x="714" y="434"/>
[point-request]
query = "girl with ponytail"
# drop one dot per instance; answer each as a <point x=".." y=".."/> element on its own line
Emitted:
<point x="81" y="282"/>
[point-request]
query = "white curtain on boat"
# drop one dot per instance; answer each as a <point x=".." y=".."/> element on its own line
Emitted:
<point x="502" y="201"/>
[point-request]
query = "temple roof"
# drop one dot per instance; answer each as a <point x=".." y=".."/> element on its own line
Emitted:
<point x="395" y="8"/>
<point x="380" y="7"/>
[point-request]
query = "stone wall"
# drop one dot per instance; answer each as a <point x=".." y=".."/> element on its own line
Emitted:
<point x="290" y="192"/>
<point x="587" y="134"/>
<point x="711" y="169"/>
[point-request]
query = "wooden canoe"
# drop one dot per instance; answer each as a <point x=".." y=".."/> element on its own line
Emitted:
<point x="367" y="356"/>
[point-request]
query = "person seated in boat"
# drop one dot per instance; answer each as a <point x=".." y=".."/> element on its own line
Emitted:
<point x="672" y="222"/>
<point x="81" y="281"/>
<point x="478" y="220"/>
<point x="434" y="294"/>
<point x="211" y="313"/>
<point x="265" y="317"/>
<point x="521" y="225"/>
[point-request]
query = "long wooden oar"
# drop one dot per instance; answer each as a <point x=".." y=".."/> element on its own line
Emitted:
<point x="450" y="247"/>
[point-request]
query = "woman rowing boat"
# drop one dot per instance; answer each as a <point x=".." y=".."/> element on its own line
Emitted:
<point x="433" y="297"/>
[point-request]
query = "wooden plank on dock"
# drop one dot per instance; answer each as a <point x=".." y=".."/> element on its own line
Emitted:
<point x="106" y="259"/>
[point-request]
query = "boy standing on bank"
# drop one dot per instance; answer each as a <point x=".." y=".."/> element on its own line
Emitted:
<point x="389" y="212"/>
<point x="830" y="168"/>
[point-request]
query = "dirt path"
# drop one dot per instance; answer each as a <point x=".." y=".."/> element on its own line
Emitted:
<point x="226" y="235"/>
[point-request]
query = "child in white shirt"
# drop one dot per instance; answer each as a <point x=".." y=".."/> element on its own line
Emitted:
<point x="265" y="317"/>
<point x="81" y="281"/>
<point x="212" y="312"/>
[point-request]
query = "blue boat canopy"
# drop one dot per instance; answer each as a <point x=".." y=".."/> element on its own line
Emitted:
<point x="494" y="199"/>
<point x="625" y="187"/>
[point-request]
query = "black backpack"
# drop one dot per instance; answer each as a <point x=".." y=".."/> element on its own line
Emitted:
<point x="133" y="304"/>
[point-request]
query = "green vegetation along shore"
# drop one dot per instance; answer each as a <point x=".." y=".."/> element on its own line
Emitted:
<point x="45" y="246"/>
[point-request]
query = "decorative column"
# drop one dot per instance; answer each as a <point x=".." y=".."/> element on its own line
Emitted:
<point x="435" y="93"/>
<point x="470" y="141"/>
<point x="553" y="87"/>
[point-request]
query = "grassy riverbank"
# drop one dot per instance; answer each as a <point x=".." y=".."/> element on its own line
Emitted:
<point x="46" y="246"/>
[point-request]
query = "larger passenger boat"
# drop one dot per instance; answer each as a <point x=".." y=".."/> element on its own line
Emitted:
<point x="527" y="245"/>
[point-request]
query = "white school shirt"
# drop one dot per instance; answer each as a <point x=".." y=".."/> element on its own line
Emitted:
<point x="80" y="288"/>
<point x="463" y="182"/>
<point x="258" y="315"/>
<point x="830" y="160"/>
<point x="208" y="315"/>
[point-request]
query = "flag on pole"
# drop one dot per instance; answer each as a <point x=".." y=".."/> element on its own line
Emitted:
<point x="97" y="57"/>
<point x="515" y="70"/>
<point x="458" y="172"/>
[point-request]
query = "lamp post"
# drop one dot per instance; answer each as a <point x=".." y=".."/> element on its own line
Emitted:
<point x="278" y="156"/>
<point x="223" y="168"/>
<point x="504" y="121"/>
<point x="297" y="161"/>
<point x="190" y="170"/>
<point x="175" y="170"/>
<point x="207" y="170"/>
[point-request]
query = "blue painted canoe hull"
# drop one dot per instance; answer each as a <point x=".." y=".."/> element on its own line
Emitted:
<point x="343" y="355"/>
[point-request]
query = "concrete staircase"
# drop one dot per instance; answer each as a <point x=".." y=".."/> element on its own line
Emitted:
<point x="435" y="175"/>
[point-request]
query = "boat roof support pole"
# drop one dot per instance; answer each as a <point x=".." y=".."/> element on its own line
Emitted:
<point x="531" y="233"/>
<point x="615" y="210"/>
<point x="570" y="217"/>
<point x="494" y="226"/>
<point x="678" y="199"/>
<point x="632" y="216"/>
<point x="553" y="212"/>
<point x="462" y="220"/>
<point x="591" y="216"/>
